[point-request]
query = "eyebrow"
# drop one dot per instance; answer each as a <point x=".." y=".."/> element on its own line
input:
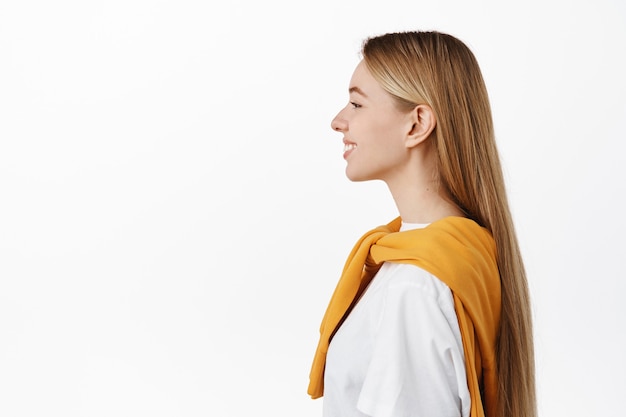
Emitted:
<point x="357" y="90"/>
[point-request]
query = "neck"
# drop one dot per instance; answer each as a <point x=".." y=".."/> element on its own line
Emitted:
<point x="422" y="203"/>
<point x="423" y="206"/>
<point x="416" y="189"/>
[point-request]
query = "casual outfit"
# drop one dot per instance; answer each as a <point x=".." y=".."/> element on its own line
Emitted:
<point x="413" y="323"/>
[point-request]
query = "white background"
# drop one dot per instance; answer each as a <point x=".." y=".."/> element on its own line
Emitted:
<point x="174" y="212"/>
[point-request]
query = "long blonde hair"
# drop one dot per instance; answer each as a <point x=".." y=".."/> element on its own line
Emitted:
<point x="439" y="70"/>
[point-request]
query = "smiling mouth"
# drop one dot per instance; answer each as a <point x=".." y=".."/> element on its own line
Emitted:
<point x="348" y="147"/>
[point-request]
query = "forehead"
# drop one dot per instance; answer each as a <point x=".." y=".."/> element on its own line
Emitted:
<point x="361" y="75"/>
<point x="364" y="84"/>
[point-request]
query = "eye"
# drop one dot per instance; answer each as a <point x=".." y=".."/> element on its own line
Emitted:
<point x="355" y="105"/>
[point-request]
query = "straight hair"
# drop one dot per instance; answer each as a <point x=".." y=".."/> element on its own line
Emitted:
<point x="439" y="70"/>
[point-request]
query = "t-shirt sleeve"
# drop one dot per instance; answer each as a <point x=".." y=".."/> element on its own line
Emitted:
<point x="417" y="368"/>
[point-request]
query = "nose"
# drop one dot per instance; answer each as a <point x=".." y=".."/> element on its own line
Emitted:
<point x="339" y="124"/>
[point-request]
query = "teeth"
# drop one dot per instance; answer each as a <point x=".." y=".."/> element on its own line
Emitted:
<point x="348" y="147"/>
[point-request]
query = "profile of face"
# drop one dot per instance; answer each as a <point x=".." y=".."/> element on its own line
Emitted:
<point x="378" y="136"/>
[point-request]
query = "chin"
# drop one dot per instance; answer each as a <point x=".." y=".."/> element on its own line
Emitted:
<point x="357" y="177"/>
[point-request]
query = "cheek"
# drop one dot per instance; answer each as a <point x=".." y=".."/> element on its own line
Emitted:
<point x="388" y="133"/>
<point x="374" y="127"/>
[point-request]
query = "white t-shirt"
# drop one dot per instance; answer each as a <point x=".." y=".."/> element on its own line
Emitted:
<point x="399" y="353"/>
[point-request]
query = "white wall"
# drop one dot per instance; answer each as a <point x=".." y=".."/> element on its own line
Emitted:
<point x="174" y="212"/>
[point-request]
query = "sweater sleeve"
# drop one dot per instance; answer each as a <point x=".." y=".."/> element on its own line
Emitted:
<point x="417" y="368"/>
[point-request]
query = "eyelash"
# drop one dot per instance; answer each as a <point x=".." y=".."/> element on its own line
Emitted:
<point x="355" y="105"/>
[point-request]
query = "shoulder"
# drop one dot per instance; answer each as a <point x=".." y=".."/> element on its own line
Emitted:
<point x="412" y="280"/>
<point x="451" y="248"/>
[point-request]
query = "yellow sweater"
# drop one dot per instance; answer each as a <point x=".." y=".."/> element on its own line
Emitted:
<point x="461" y="254"/>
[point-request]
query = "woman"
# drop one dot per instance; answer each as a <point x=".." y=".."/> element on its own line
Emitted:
<point x="431" y="316"/>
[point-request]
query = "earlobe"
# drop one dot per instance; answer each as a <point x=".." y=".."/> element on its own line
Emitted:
<point x="424" y="123"/>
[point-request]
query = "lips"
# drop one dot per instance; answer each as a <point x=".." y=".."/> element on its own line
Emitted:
<point x="348" y="148"/>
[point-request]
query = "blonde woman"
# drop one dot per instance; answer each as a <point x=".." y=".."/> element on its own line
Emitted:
<point x="431" y="315"/>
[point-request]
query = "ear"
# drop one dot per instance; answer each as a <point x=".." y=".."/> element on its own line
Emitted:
<point x="423" y="123"/>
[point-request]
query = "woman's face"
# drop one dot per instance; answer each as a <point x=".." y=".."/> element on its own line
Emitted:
<point x="374" y="130"/>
